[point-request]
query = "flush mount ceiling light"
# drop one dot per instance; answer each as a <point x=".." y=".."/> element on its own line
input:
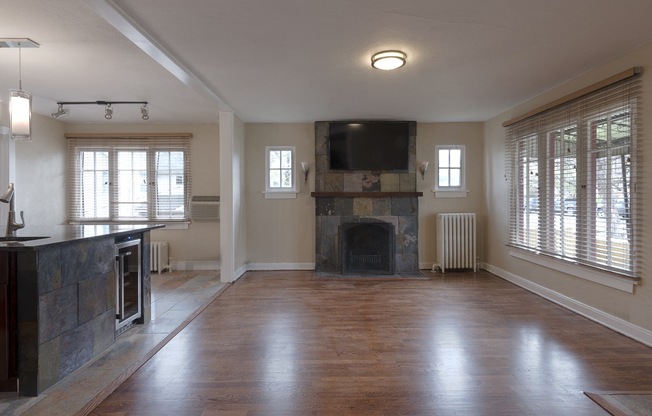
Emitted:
<point x="388" y="60"/>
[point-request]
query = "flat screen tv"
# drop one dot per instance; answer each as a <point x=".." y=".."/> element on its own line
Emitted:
<point x="369" y="145"/>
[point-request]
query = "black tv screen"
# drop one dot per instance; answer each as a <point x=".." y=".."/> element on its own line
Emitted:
<point x="369" y="145"/>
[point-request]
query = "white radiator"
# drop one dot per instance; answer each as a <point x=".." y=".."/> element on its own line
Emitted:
<point x="158" y="257"/>
<point x="456" y="240"/>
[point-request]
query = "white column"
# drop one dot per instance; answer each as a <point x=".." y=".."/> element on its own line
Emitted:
<point x="227" y="222"/>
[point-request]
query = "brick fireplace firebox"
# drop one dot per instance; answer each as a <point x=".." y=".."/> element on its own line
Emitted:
<point x="344" y="198"/>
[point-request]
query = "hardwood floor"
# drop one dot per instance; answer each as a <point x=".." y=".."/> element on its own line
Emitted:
<point x="286" y="343"/>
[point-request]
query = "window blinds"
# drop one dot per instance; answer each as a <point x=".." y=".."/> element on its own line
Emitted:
<point x="118" y="178"/>
<point x="575" y="173"/>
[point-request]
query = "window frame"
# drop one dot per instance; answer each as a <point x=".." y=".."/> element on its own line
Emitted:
<point x="450" y="191"/>
<point x="113" y="146"/>
<point x="281" y="192"/>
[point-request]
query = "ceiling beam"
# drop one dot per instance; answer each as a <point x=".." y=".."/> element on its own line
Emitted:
<point x="128" y="27"/>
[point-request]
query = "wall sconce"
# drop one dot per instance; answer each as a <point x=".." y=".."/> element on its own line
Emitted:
<point x="423" y="168"/>
<point x="305" y="166"/>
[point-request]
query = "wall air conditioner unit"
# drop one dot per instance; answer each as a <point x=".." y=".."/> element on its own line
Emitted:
<point x="205" y="208"/>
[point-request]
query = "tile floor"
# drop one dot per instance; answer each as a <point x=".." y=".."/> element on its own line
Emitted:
<point x="176" y="299"/>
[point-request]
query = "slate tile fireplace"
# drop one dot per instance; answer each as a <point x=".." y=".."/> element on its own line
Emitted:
<point x="366" y="221"/>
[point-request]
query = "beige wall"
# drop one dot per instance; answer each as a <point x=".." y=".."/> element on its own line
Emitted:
<point x="279" y="231"/>
<point x="430" y="135"/>
<point x="41" y="167"/>
<point x="632" y="308"/>
<point x="199" y="245"/>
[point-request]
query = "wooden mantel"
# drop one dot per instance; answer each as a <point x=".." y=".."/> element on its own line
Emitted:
<point x="366" y="194"/>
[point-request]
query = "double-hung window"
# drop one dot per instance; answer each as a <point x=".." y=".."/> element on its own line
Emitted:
<point x="129" y="179"/>
<point x="573" y="171"/>
<point x="280" y="172"/>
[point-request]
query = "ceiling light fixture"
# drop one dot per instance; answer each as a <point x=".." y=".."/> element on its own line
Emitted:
<point x="60" y="112"/>
<point x="108" y="107"/>
<point x="20" y="102"/>
<point x="144" y="111"/>
<point x="388" y="60"/>
<point x="108" y="111"/>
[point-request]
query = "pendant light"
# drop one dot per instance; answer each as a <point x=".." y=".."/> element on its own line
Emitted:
<point x="20" y="107"/>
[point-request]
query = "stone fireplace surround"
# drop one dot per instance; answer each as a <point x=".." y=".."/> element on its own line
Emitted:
<point x="346" y="197"/>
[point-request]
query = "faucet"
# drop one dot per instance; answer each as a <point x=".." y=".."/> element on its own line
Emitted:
<point x="12" y="225"/>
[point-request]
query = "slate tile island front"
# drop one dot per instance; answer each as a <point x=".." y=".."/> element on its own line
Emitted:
<point x="65" y="298"/>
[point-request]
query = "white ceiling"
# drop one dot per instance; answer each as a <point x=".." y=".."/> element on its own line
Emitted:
<point x="308" y="60"/>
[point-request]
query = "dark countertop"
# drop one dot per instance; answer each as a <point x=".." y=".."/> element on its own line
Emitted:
<point x="57" y="234"/>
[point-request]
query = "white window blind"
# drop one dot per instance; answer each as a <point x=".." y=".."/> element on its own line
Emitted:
<point x="575" y="177"/>
<point x="129" y="178"/>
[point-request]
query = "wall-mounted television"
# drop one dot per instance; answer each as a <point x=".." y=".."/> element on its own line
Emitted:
<point x="369" y="145"/>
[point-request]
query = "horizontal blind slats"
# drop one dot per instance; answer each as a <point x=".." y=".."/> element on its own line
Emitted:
<point x="80" y="210"/>
<point x="575" y="178"/>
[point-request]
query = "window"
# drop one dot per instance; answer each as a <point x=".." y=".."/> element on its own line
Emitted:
<point x="449" y="171"/>
<point x="129" y="179"/>
<point x="280" y="172"/>
<point x="572" y="172"/>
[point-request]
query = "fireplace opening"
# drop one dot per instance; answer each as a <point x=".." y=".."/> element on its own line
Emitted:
<point x="367" y="248"/>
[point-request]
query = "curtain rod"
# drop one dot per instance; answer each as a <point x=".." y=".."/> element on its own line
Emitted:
<point x="584" y="91"/>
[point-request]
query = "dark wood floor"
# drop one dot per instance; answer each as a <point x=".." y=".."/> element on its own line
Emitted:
<point x="285" y="343"/>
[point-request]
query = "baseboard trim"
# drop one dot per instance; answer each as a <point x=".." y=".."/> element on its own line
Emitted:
<point x="280" y="266"/>
<point x="428" y="266"/>
<point x="628" y="329"/>
<point x="196" y="265"/>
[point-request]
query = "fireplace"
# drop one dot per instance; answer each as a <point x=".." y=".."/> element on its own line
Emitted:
<point x="366" y="222"/>
<point x="367" y="248"/>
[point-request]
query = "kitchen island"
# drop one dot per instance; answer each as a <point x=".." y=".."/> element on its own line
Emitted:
<point x="58" y="300"/>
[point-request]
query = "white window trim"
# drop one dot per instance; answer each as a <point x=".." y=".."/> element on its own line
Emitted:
<point x="281" y="193"/>
<point x="451" y="191"/>
<point x="583" y="272"/>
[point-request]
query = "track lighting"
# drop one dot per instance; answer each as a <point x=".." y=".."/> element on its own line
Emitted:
<point x="60" y="112"/>
<point x="108" y="112"/>
<point x="108" y="107"/>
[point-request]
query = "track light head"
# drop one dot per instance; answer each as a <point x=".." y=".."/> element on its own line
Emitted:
<point x="145" y="112"/>
<point x="108" y="111"/>
<point x="60" y="112"/>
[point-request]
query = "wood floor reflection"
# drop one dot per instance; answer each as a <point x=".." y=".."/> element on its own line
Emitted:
<point x="286" y="343"/>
